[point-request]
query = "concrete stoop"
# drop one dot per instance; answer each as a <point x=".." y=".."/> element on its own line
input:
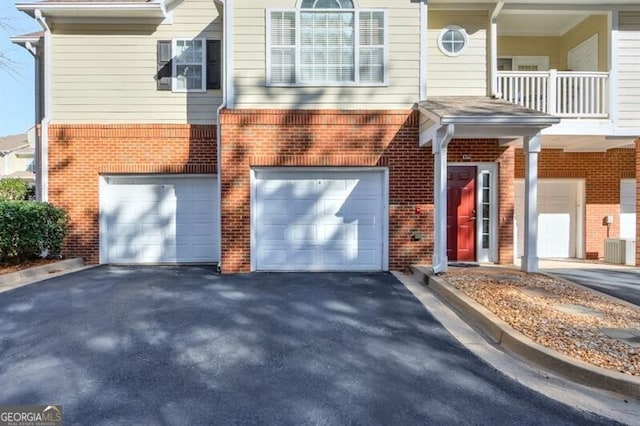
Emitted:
<point x="502" y="334"/>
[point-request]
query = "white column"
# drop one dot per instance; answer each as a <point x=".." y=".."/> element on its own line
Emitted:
<point x="440" y="207"/>
<point x="444" y="136"/>
<point x="531" y="150"/>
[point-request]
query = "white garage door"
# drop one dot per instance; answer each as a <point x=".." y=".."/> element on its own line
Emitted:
<point x="318" y="220"/>
<point x="628" y="209"/>
<point x="158" y="219"/>
<point x="558" y="216"/>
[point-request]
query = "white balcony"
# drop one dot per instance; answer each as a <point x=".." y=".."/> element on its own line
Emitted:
<point x="566" y="94"/>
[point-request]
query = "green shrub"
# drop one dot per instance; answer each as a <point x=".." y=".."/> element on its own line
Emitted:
<point x="28" y="228"/>
<point x="13" y="189"/>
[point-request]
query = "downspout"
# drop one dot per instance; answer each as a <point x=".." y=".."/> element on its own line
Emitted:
<point x="423" y="50"/>
<point x="46" y="116"/>
<point x="32" y="49"/>
<point x="227" y="100"/>
<point x="440" y="145"/>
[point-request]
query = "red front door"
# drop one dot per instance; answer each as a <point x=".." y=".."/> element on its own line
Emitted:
<point x="461" y="212"/>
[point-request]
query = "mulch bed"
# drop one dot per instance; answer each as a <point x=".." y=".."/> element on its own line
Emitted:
<point x="562" y="316"/>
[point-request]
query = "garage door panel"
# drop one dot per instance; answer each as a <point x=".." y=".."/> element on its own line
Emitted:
<point x="557" y="217"/>
<point x="326" y="212"/>
<point x="334" y="232"/>
<point x="159" y="219"/>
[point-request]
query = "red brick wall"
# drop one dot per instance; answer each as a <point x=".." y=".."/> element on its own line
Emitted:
<point x="279" y="138"/>
<point x="78" y="154"/>
<point x="601" y="172"/>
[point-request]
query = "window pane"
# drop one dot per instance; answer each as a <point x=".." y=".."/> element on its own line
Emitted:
<point x="327" y="4"/>
<point x="327" y="47"/>
<point x="371" y="65"/>
<point x="371" y="28"/>
<point x="283" y="28"/>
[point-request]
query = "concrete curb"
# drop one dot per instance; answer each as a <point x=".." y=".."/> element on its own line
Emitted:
<point x="503" y="335"/>
<point x="37" y="273"/>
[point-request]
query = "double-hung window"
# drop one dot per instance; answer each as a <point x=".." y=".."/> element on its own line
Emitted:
<point x="326" y="42"/>
<point x="189" y="65"/>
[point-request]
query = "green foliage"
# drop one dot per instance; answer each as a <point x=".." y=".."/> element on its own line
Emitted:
<point x="28" y="228"/>
<point x="13" y="189"/>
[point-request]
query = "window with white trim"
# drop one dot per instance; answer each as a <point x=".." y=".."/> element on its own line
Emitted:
<point x="189" y="65"/>
<point x="452" y="40"/>
<point x="326" y="42"/>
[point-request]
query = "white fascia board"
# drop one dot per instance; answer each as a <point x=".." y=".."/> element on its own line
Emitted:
<point x="581" y="127"/>
<point x="529" y="4"/>
<point x="428" y="135"/>
<point x="22" y="40"/>
<point x="92" y="9"/>
<point x="497" y="120"/>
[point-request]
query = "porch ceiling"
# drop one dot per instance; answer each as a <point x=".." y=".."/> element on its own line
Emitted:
<point x="481" y="117"/>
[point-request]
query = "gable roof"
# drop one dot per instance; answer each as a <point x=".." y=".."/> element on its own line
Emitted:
<point x="13" y="142"/>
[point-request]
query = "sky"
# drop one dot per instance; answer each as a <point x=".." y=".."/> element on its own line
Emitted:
<point x="16" y="91"/>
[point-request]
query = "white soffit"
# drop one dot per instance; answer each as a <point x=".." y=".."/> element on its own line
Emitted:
<point x="538" y="24"/>
<point x="585" y="143"/>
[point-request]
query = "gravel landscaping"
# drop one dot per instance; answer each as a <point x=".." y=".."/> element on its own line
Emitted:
<point x="562" y="316"/>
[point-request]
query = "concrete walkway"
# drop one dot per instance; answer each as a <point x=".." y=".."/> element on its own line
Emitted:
<point x="619" y="281"/>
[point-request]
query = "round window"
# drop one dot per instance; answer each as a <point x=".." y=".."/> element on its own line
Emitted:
<point x="453" y="40"/>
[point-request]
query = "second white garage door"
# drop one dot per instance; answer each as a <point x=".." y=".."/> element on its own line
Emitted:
<point x="314" y="220"/>
<point x="158" y="219"/>
<point x="559" y="217"/>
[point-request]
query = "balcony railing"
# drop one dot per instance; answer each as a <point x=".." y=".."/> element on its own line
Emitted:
<point x="566" y="94"/>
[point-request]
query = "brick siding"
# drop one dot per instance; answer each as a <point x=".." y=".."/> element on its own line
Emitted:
<point x="601" y="172"/>
<point x="78" y="154"/>
<point x="280" y="138"/>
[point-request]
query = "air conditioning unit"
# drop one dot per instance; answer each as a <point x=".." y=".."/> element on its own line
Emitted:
<point x="622" y="252"/>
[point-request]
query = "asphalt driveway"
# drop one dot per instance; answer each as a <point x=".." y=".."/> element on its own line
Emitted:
<point x="183" y="345"/>
<point x="620" y="282"/>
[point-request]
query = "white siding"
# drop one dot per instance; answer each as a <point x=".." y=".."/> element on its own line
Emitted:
<point x="250" y="62"/>
<point x="105" y="73"/>
<point x="464" y="75"/>
<point x="629" y="70"/>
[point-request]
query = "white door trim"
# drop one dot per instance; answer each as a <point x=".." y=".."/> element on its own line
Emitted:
<point x="385" y="203"/>
<point x="491" y="254"/>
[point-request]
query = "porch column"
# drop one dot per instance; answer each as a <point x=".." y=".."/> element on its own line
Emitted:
<point x="531" y="151"/>
<point x="638" y="202"/>
<point x="443" y="137"/>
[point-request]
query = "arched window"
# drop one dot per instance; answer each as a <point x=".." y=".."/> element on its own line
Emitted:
<point x="326" y="4"/>
<point x="326" y="42"/>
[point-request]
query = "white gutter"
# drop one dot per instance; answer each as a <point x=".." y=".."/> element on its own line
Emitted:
<point x="439" y="148"/>
<point x="423" y="50"/>
<point x="227" y="101"/>
<point x="89" y="6"/>
<point x="43" y="158"/>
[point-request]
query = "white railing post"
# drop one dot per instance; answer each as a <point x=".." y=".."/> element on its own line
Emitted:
<point x="552" y="92"/>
